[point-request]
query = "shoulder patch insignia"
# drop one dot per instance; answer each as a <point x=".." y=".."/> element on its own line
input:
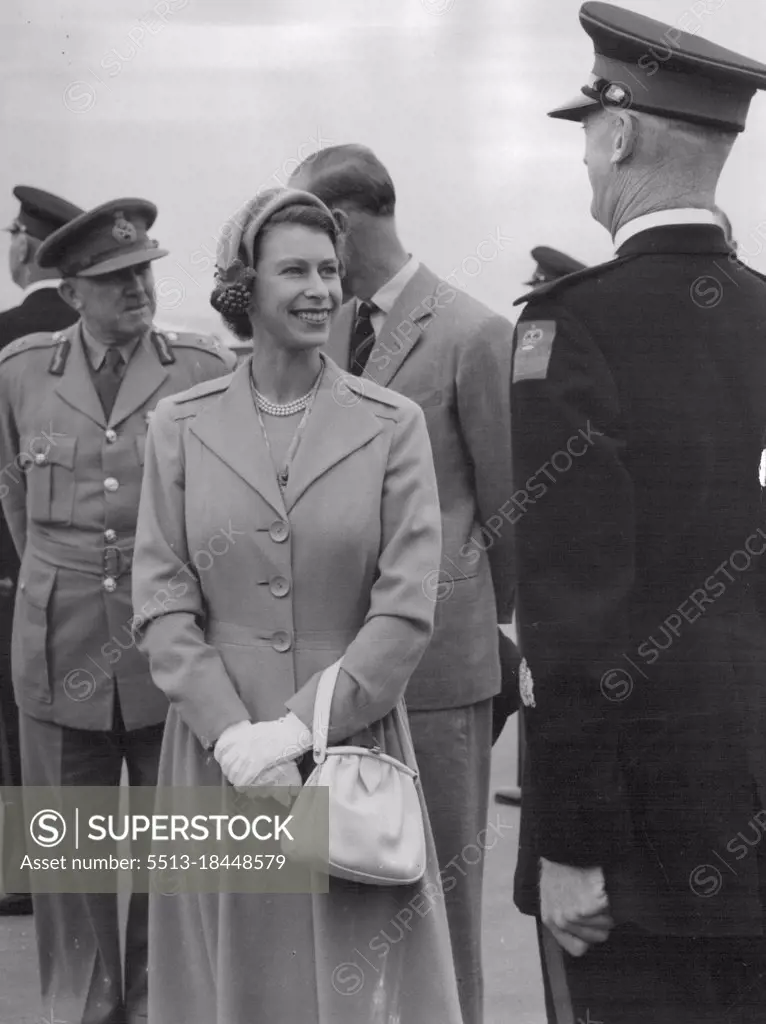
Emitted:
<point x="533" y="349"/>
<point x="526" y="685"/>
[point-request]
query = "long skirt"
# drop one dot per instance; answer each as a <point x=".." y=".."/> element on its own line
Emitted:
<point x="359" y="954"/>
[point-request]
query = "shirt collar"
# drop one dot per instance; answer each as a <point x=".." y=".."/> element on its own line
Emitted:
<point x="96" y="350"/>
<point x="385" y="297"/>
<point x="661" y="219"/>
<point x="37" y="286"/>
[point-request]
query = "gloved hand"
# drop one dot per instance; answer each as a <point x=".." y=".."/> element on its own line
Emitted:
<point x="245" y="750"/>
<point x="284" y="777"/>
<point x="574" y="905"/>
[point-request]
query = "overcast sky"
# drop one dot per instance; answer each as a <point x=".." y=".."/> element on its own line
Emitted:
<point x="195" y="104"/>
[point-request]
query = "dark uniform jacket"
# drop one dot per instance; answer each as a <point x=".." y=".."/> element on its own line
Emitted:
<point x="452" y="355"/>
<point x="639" y="405"/>
<point x="70" y="487"/>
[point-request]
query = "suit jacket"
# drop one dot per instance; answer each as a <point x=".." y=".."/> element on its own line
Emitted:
<point x="283" y="586"/>
<point x="43" y="310"/>
<point x="639" y="405"/>
<point x="452" y="356"/>
<point x="69" y="485"/>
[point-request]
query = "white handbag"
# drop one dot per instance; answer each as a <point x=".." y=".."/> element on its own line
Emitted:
<point x="376" y="829"/>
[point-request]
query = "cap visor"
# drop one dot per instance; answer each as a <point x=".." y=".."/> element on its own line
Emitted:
<point x="576" y="109"/>
<point x="128" y="259"/>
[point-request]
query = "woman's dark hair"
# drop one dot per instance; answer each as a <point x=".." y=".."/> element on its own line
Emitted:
<point x="307" y="216"/>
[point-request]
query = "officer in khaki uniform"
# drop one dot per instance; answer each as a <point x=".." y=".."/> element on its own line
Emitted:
<point x="74" y="407"/>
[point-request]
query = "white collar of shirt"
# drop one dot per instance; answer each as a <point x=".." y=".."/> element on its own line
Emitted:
<point x="385" y="297"/>
<point x="662" y="219"/>
<point x="37" y="286"/>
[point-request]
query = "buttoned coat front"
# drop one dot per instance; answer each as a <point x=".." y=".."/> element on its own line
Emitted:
<point x="343" y="564"/>
<point x="69" y="481"/>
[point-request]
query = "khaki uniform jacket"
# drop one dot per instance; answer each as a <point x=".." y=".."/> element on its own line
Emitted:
<point x="69" y="485"/>
<point x="452" y="355"/>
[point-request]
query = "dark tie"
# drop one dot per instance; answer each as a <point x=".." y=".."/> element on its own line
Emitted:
<point x="362" y="339"/>
<point x="109" y="378"/>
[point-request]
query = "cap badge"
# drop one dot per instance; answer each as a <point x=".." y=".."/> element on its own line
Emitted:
<point x="123" y="231"/>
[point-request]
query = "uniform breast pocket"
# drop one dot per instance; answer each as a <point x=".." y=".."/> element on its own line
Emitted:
<point x="50" y="479"/>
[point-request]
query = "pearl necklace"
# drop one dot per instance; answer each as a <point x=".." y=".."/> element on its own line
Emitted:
<point x="288" y="409"/>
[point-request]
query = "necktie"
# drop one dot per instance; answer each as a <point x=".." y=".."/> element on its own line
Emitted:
<point x="109" y="378"/>
<point x="362" y="339"/>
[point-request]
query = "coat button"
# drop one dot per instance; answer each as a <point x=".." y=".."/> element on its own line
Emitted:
<point x="279" y="531"/>
<point x="41" y="459"/>
<point x="110" y="536"/>
<point x="109" y="584"/>
<point x="111" y="436"/>
<point x="111" y="484"/>
<point x="279" y="586"/>
<point x="281" y="640"/>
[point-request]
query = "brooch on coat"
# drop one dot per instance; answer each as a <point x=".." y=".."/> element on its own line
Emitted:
<point x="526" y="685"/>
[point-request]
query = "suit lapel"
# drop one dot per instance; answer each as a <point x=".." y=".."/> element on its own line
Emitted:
<point x="144" y="374"/>
<point x="339" y="424"/>
<point x="231" y="430"/>
<point x="402" y="328"/>
<point x="76" y="385"/>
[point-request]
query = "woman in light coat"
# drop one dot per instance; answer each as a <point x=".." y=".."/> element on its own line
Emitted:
<point x="320" y="493"/>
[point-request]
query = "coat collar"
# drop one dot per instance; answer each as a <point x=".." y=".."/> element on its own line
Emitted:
<point x="144" y="374"/>
<point x="402" y="327"/>
<point x="340" y="423"/>
<point x="677" y="238"/>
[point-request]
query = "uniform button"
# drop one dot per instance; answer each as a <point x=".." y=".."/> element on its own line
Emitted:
<point x="279" y="586"/>
<point x="109" y="584"/>
<point x="279" y="531"/>
<point x="111" y="436"/>
<point x="40" y="459"/>
<point x="111" y="484"/>
<point x="110" y="536"/>
<point x="281" y="641"/>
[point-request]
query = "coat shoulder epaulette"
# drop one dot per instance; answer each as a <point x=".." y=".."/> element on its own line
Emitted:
<point x="29" y="343"/>
<point x="188" y="339"/>
<point x="551" y="288"/>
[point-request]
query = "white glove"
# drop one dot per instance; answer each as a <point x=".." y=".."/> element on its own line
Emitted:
<point x="282" y="776"/>
<point x="245" y="750"/>
<point x="574" y="905"/>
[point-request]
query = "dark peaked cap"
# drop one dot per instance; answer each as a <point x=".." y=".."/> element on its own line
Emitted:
<point x="41" y="212"/>
<point x="552" y="264"/>
<point x="642" y="64"/>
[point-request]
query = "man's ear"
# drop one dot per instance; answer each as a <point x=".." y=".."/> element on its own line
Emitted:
<point x="24" y="250"/>
<point x="624" y="137"/>
<point x="69" y="294"/>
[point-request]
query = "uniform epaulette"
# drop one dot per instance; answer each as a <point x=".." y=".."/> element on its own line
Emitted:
<point x="187" y="339"/>
<point x="554" y="287"/>
<point x="28" y="343"/>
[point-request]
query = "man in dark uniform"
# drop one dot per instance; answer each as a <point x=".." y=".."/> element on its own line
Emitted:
<point x="74" y="407"/>
<point x="550" y="266"/>
<point x="639" y="406"/>
<point x="43" y="309"/>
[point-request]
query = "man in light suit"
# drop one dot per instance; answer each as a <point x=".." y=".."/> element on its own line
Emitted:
<point x="410" y="331"/>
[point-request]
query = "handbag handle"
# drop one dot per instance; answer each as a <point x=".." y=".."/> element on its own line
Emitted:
<point x="321" y="724"/>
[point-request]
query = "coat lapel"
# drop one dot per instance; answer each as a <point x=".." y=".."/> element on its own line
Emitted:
<point x="339" y="424"/>
<point x="143" y="376"/>
<point x="402" y="327"/>
<point x="76" y="385"/>
<point x="231" y="430"/>
<point x="340" y="335"/>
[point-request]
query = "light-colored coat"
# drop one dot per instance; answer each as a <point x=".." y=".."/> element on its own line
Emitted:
<point x="452" y="355"/>
<point x="247" y="596"/>
<point x="68" y="476"/>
